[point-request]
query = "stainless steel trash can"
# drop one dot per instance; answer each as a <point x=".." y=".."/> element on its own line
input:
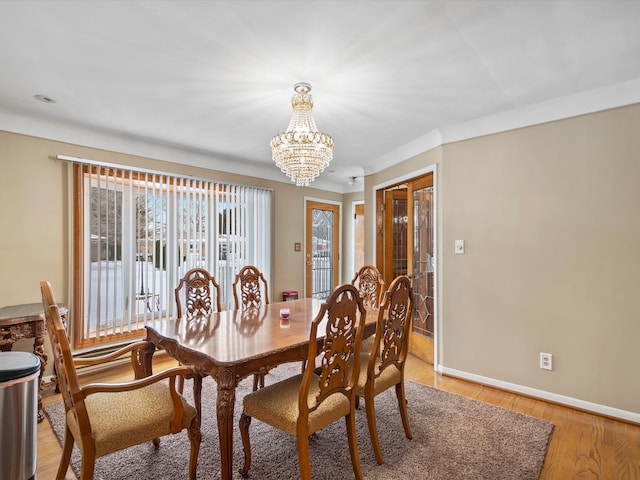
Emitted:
<point x="19" y="373"/>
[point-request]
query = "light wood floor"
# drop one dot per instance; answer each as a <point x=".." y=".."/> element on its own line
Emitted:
<point x="584" y="446"/>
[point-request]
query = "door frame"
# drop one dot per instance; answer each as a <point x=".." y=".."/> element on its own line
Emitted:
<point x="357" y="205"/>
<point x="437" y="337"/>
<point x="338" y="270"/>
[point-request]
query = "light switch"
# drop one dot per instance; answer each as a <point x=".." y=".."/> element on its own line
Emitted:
<point x="459" y="247"/>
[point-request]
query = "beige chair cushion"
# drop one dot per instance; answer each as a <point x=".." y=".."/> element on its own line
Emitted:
<point x="367" y="344"/>
<point x="123" y="419"/>
<point x="390" y="377"/>
<point x="277" y="405"/>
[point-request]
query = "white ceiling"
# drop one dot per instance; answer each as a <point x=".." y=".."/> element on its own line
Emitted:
<point x="209" y="83"/>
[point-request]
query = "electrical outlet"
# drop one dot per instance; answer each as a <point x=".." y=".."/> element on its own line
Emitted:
<point x="546" y="361"/>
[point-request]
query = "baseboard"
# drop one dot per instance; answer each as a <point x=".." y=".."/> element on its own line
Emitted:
<point x="591" y="407"/>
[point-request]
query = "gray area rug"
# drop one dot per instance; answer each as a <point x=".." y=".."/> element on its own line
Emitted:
<point x="453" y="438"/>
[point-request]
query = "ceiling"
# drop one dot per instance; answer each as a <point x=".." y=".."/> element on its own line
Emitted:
<point x="208" y="83"/>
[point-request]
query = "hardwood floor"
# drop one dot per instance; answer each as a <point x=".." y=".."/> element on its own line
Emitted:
<point x="583" y="446"/>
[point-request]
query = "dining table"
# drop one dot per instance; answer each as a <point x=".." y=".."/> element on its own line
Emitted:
<point x="233" y="344"/>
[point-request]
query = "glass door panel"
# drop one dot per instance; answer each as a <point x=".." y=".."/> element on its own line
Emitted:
<point x="322" y="238"/>
<point x="423" y="261"/>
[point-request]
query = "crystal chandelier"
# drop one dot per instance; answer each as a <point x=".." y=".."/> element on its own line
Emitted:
<point x="302" y="152"/>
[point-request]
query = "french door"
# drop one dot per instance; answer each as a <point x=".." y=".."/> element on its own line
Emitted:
<point x="422" y="271"/>
<point x="405" y="246"/>
<point x="322" y="248"/>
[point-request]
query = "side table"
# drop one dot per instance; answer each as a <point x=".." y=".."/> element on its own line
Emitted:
<point x="27" y="321"/>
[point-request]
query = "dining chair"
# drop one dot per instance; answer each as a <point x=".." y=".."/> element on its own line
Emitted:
<point x="383" y="367"/>
<point x="104" y="418"/>
<point x="251" y="287"/>
<point x="199" y="292"/>
<point x="314" y="399"/>
<point x="368" y="280"/>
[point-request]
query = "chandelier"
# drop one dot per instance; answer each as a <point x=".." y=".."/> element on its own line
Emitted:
<point x="302" y="152"/>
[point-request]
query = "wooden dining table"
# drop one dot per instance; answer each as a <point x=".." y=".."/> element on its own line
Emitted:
<point x="234" y="344"/>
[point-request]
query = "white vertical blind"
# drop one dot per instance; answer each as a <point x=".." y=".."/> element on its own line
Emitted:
<point x="143" y="230"/>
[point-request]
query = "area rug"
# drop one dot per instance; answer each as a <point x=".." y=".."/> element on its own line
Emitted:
<point x="454" y="438"/>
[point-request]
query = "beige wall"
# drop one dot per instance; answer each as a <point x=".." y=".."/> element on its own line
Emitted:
<point x="550" y="216"/>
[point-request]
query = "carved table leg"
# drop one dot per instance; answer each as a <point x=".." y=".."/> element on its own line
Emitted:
<point x="224" y="408"/>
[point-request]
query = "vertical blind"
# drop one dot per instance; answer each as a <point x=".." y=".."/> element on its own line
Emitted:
<point x="138" y="232"/>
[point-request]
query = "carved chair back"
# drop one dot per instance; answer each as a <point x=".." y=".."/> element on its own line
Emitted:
<point x="341" y="318"/>
<point x="250" y="288"/>
<point x="197" y="294"/>
<point x="392" y="329"/>
<point x="368" y="280"/>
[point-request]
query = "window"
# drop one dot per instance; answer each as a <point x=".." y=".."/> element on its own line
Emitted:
<point x="137" y="234"/>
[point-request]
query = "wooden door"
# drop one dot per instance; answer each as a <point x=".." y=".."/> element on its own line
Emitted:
<point x="396" y="234"/>
<point x="322" y="248"/>
<point x="405" y="246"/>
<point x="422" y="265"/>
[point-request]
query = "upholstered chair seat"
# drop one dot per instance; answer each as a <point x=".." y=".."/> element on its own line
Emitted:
<point x="388" y="378"/>
<point x="277" y="405"/>
<point x="123" y="419"/>
<point x="367" y="345"/>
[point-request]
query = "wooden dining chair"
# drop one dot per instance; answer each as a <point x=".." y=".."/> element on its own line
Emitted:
<point x="305" y="403"/>
<point x="197" y="293"/>
<point x="105" y="418"/>
<point x="383" y="367"/>
<point x="250" y="288"/>
<point x="368" y="280"/>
